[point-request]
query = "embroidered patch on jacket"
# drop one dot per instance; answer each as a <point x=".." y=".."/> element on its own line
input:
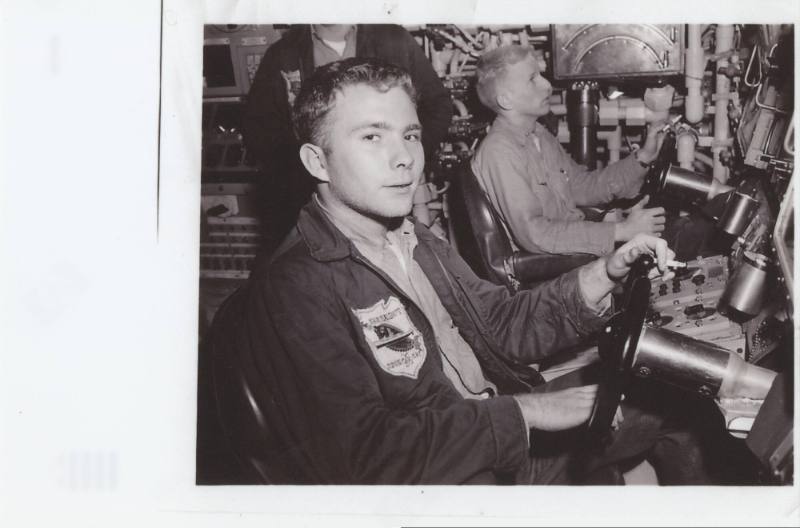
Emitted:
<point x="395" y="342"/>
<point x="292" y="80"/>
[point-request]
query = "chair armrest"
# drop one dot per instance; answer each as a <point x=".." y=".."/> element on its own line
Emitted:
<point x="531" y="267"/>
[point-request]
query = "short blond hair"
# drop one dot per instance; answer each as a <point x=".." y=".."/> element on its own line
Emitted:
<point x="492" y="67"/>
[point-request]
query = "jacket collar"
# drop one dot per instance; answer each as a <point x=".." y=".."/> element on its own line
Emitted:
<point x="324" y="240"/>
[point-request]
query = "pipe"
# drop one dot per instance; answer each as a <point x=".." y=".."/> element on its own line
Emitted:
<point x="563" y="132"/>
<point x="655" y="116"/>
<point x="469" y="37"/>
<point x="463" y="63"/>
<point x="438" y="62"/>
<point x="745" y="291"/>
<point x="685" y="148"/>
<point x="746" y="79"/>
<point x="739" y="211"/>
<point x="695" y="65"/>
<point x="582" y="101"/>
<point x="454" y="60"/>
<point x="458" y="41"/>
<point x="461" y="107"/>
<point x="699" y="156"/>
<point x="693" y="186"/>
<point x="698" y="366"/>
<point x="724" y="43"/>
<point x="788" y="139"/>
<point x="613" y="139"/>
<point x="659" y="100"/>
<point x="631" y="110"/>
<point x="767" y="96"/>
<point x="557" y="104"/>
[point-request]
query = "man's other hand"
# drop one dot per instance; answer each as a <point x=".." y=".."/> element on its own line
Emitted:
<point x="619" y="263"/>
<point x="652" y="145"/>
<point x="557" y="410"/>
<point x="640" y="220"/>
<point x="598" y="278"/>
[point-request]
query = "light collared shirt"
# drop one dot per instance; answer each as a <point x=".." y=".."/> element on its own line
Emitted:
<point x="393" y="254"/>
<point x="325" y="51"/>
<point x="537" y="187"/>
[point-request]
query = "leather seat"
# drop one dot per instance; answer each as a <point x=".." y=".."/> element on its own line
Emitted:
<point x="482" y="241"/>
<point x="235" y="443"/>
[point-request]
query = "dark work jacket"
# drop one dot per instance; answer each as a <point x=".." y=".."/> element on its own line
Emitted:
<point x="267" y="121"/>
<point x="337" y="413"/>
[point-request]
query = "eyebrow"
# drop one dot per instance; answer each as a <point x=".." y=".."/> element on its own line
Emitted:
<point x="383" y="125"/>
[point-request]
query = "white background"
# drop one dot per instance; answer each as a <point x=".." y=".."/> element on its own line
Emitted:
<point x="98" y="305"/>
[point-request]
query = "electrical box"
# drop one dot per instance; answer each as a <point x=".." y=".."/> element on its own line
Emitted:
<point x="601" y="51"/>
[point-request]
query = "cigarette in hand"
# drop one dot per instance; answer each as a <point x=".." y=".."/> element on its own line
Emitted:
<point x="675" y="264"/>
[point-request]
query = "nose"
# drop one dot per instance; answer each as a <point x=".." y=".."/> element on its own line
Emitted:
<point x="545" y="84"/>
<point x="402" y="156"/>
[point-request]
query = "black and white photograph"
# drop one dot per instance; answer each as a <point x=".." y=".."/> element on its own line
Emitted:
<point x="399" y="263"/>
<point x="444" y="254"/>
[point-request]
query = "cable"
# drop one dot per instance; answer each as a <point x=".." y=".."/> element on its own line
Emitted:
<point x="487" y="390"/>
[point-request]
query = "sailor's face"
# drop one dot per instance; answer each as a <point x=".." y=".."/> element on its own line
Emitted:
<point x="528" y="91"/>
<point x="374" y="155"/>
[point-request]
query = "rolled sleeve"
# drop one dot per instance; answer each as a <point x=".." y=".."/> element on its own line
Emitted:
<point x="586" y="318"/>
<point x="511" y="433"/>
<point x="622" y="179"/>
<point x="584" y="236"/>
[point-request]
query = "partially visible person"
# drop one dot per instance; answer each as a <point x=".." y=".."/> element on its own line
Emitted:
<point x="536" y="187"/>
<point x="387" y="359"/>
<point x="283" y="69"/>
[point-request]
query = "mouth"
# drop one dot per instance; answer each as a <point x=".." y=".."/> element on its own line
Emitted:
<point x="401" y="186"/>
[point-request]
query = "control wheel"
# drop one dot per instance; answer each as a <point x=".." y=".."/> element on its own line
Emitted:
<point x="656" y="176"/>
<point x="617" y="347"/>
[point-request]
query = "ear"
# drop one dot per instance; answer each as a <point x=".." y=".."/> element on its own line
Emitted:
<point x="313" y="158"/>
<point x="503" y="100"/>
